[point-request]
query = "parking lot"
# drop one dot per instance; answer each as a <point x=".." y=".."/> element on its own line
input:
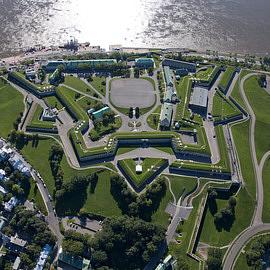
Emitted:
<point x="127" y="93"/>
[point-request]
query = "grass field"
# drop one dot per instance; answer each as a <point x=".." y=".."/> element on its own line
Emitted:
<point x="226" y="79"/>
<point x="183" y="90"/>
<point x="99" y="83"/>
<point x="241" y="138"/>
<point x="180" y="185"/>
<point x="266" y="191"/>
<point x="236" y="90"/>
<point x="187" y="231"/>
<point x="259" y="100"/>
<point x="86" y="102"/>
<point x="153" y="118"/>
<point x="35" y="196"/>
<point x="204" y="74"/>
<point x="242" y="221"/>
<point x="223" y="108"/>
<point x="149" y="167"/>
<point x="35" y="154"/>
<point x="53" y="102"/>
<point x="78" y="84"/>
<point x="11" y="105"/>
<point x="101" y="201"/>
<point x="36" y="119"/>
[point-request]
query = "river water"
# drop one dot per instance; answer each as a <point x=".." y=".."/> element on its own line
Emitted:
<point x="224" y="25"/>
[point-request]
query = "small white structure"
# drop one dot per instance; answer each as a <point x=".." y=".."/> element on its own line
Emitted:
<point x="11" y="204"/>
<point x="139" y="168"/>
<point x="49" y="114"/>
<point x="2" y="174"/>
<point x="17" y="263"/>
<point x="43" y="257"/>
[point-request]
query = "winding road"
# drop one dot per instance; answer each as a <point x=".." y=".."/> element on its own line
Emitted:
<point x="257" y="225"/>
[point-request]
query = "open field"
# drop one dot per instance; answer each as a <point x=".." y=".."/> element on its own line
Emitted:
<point x="259" y="100"/>
<point x="241" y="138"/>
<point x="180" y="186"/>
<point x="242" y="221"/>
<point x="41" y="152"/>
<point x="99" y="83"/>
<point x="36" y="121"/>
<point x="78" y="84"/>
<point x="236" y="90"/>
<point x="266" y="190"/>
<point x="35" y="196"/>
<point x="53" y="102"/>
<point x="149" y="167"/>
<point x="101" y="201"/>
<point x="154" y="117"/>
<point x="223" y="108"/>
<point x="226" y="79"/>
<point x="11" y="105"/>
<point x="127" y="93"/>
<point x="204" y="74"/>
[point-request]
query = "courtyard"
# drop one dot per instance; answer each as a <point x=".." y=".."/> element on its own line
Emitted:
<point x="127" y="93"/>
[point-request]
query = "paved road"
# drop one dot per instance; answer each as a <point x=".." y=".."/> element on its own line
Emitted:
<point x="240" y="242"/>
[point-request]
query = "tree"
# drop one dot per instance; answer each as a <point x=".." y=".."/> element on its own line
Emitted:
<point x="232" y="202"/>
<point x="126" y="243"/>
<point x="214" y="260"/>
<point x="74" y="247"/>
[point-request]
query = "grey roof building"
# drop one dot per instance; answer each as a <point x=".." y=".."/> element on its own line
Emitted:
<point x="168" y="76"/>
<point x="166" y="116"/>
<point x="198" y="100"/>
<point x="175" y="64"/>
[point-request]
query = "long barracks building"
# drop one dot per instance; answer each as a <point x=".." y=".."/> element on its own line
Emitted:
<point x="74" y="65"/>
<point x="175" y="64"/>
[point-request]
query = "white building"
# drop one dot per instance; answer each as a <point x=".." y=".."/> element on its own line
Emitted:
<point x="2" y="174"/>
<point x="11" y="204"/>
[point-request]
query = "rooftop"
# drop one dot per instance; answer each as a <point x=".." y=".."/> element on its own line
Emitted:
<point x="199" y="97"/>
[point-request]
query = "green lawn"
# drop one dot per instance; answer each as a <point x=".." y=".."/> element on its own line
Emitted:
<point x="99" y="131"/>
<point x="259" y="99"/>
<point x="36" y="119"/>
<point x="236" y="90"/>
<point x="153" y="118"/>
<point x="78" y="84"/>
<point x="86" y="103"/>
<point x="242" y="221"/>
<point x="149" y="167"/>
<point x="35" y="196"/>
<point x="187" y="232"/>
<point x="35" y="154"/>
<point x="204" y="74"/>
<point x="266" y="191"/>
<point x="99" y="83"/>
<point x="11" y="105"/>
<point x="53" y="102"/>
<point x="183" y="90"/>
<point x="180" y="186"/>
<point x="241" y="138"/>
<point x="223" y="108"/>
<point x="101" y="202"/>
<point x="226" y="78"/>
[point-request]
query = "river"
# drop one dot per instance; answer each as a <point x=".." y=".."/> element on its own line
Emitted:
<point x="224" y="25"/>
